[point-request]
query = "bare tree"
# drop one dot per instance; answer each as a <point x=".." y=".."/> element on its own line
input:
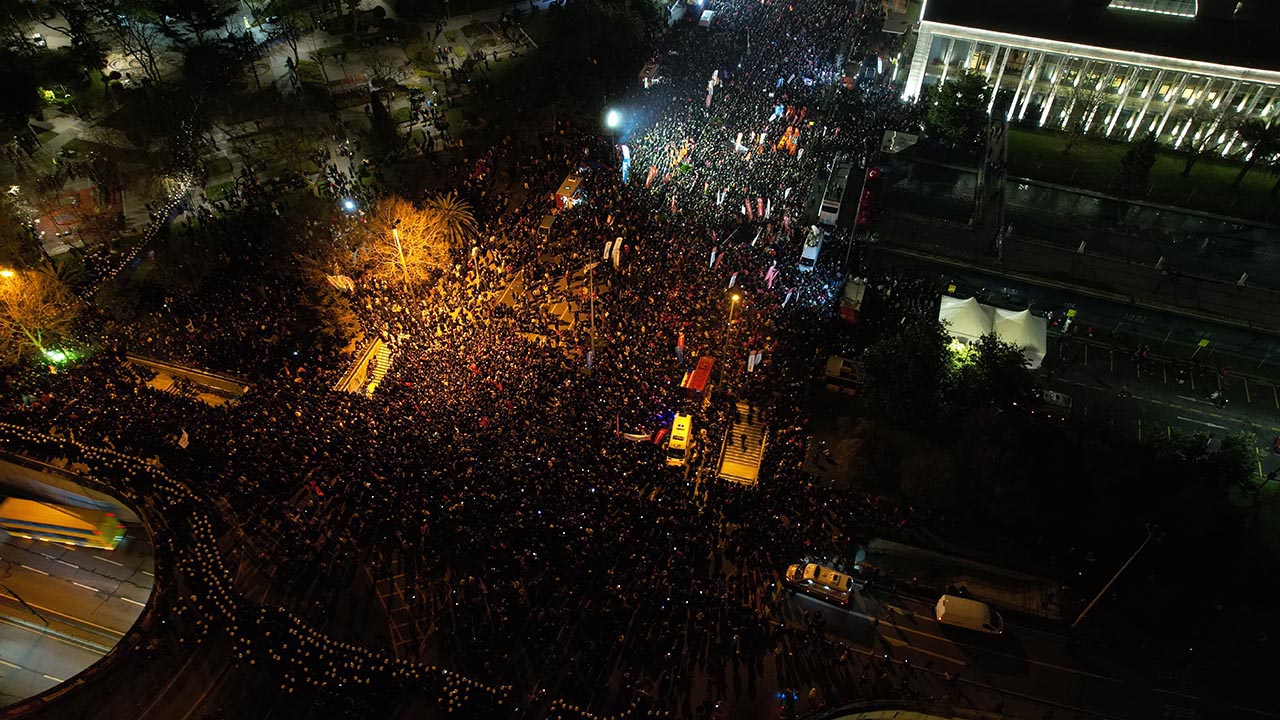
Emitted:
<point x="1211" y="130"/>
<point x="1083" y="101"/>
<point x="405" y="242"/>
<point x="136" y="29"/>
<point x="37" y="310"/>
<point x="385" y="72"/>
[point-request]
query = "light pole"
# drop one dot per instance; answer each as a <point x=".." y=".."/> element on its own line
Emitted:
<point x="591" y="301"/>
<point x="613" y="120"/>
<point x="733" y="301"/>
<point x="404" y="269"/>
<point x="1150" y="534"/>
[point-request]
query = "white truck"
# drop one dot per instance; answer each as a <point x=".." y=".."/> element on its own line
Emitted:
<point x="968" y="614"/>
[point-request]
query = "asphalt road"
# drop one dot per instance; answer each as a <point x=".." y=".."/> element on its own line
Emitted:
<point x="1022" y="671"/>
<point x="79" y="603"/>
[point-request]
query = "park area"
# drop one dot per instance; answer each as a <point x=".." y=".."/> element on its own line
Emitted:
<point x="1094" y="164"/>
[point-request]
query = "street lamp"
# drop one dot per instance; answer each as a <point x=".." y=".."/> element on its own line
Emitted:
<point x="1151" y="534"/>
<point x="6" y="273"/>
<point x="733" y="301"/>
<point x="613" y="119"/>
<point x="404" y="270"/>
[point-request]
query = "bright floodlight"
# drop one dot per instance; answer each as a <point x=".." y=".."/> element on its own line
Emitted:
<point x="613" y="119"/>
<point x="349" y="205"/>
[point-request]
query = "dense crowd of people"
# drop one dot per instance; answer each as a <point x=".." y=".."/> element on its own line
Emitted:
<point x="488" y="477"/>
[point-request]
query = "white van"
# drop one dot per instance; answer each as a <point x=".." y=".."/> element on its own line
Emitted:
<point x="681" y="440"/>
<point x="708" y="17"/>
<point x="812" y="246"/>
<point x="968" y="614"/>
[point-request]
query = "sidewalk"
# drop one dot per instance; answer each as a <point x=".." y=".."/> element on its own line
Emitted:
<point x="1100" y="277"/>
<point x="932" y="573"/>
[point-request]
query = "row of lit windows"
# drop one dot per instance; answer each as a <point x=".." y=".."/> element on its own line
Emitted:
<point x="980" y="60"/>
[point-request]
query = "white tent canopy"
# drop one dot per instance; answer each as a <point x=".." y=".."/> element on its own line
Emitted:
<point x="1025" y="331"/>
<point x="966" y="319"/>
<point x="969" y="320"/>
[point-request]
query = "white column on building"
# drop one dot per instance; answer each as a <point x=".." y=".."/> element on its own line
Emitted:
<point x="946" y="60"/>
<point x="1122" y="97"/>
<point x="919" y="61"/>
<point x="995" y="87"/>
<point x="1196" y="99"/>
<point x="1032" y="79"/>
<point x="1027" y="64"/>
<point x="1053" y="89"/>
<point x="1103" y="80"/>
<point x="1080" y="77"/>
<point x="1170" y="104"/>
<point x="991" y="64"/>
<point x="1150" y="95"/>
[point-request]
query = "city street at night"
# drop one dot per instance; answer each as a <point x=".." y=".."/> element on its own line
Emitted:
<point x="587" y="359"/>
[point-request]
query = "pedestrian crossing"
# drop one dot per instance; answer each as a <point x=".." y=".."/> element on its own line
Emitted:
<point x="743" y="449"/>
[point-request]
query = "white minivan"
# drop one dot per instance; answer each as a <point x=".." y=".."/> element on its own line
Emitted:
<point x="968" y="614"/>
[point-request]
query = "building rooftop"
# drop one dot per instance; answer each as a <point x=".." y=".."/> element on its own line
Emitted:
<point x="1246" y="38"/>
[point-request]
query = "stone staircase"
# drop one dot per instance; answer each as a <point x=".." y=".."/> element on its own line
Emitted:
<point x="739" y="465"/>
<point x="378" y="367"/>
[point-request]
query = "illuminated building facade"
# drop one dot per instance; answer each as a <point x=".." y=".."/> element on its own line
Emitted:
<point x="1178" y="68"/>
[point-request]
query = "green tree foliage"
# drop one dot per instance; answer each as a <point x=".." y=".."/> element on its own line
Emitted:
<point x="384" y="131"/>
<point x="19" y="246"/>
<point x="957" y="110"/>
<point x="194" y="19"/>
<point x="990" y="372"/>
<point x="213" y="68"/>
<point x="1135" y="166"/>
<point x="1262" y="138"/>
<point x="1212" y="128"/>
<point x="608" y="38"/>
<point x="20" y="98"/>
<point x="907" y="372"/>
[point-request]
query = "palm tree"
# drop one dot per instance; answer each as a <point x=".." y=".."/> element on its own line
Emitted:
<point x="1263" y="141"/>
<point x="454" y="220"/>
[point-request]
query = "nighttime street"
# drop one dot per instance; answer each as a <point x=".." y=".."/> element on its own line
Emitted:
<point x="587" y="359"/>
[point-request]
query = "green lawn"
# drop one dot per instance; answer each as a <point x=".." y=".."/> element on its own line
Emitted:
<point x="1093" y="164"/>
<point x="310" y="72"/>
<point x="219" y="191"/>
<point x="216" y="165"/>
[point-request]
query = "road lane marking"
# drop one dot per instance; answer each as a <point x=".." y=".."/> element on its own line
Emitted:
<point x="86" y="587"/>
<point x="1247" y="397"/>
<point x="9" y="664"/>
<point x="1268" y="713"/>
<point x="876" y="622"/>
<point x="135" y="602"/>
<point x="33" y="569"/>
<point x="71" y="565"/>
<point x="148" y="574"/>
<point x="106" y="560"/>
<point x="1201" y="422"/>
<point x="1175" y="692"/>
<point x="50" y="677"/>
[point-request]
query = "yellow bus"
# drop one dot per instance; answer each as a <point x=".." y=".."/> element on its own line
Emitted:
<point x="61" y="524"/>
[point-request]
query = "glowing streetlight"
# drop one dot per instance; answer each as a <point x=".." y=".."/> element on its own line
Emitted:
<point x="7" y="273"/>
<point x="349" y="205"/>
<point x="613" y="119"/>
<point x="733" y="302"/>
